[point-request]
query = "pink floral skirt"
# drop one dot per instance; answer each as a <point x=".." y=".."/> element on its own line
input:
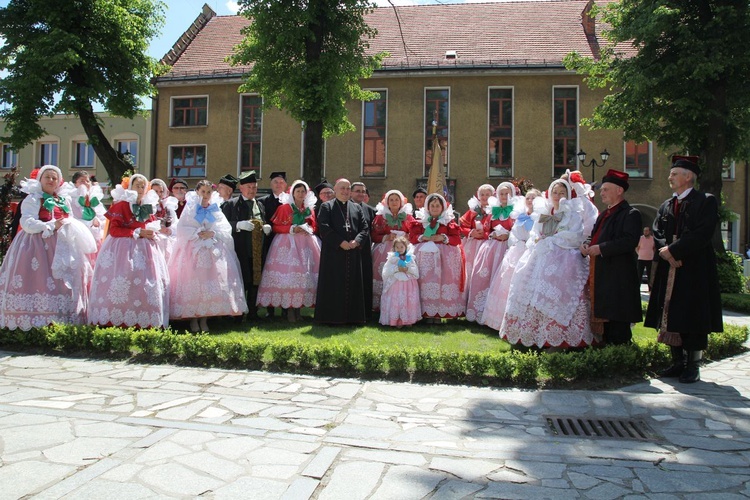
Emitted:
<point x="487" y="262"/>
<point x="440" y="281"/>
<point x="290" y="274"/>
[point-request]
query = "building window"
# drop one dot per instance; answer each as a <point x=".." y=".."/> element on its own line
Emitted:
<point x="566" y="129"/>
<point x="501" y="133"/>
<point x="189" y="111"/>
<point x="727" y="170"/>
<point x="84" y="154"/>
<point x="374" y="119"/>
<point x="128" y="147"/>
<point x="47" y="153"/>
<point x="251" y="127"/>
<point x="187" y="161"/>
<point x="638" y="159"/>
<point x="437" y="109"/>
<point x="10" y="157"/>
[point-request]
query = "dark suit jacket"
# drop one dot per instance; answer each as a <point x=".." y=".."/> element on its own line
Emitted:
<point x="236" y="210"/>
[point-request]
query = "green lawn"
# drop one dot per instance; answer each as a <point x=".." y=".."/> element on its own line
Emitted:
<point x="451" y="335"/>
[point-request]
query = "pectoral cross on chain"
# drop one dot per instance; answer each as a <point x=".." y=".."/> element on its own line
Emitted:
<point x="347" y="226"/>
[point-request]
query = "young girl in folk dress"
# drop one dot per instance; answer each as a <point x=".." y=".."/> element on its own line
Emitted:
<point x="205" y="278"/>
<point x="497" y="295"/>
<point x="131" y="281"/>
<point x="548" y="305"/>
<point x="491" y="252"/>
<point x="392" y="219"/>
<point x="400" y="304"/>
<point x="45" y="273"/>
<point x="290" y="274"/>
<point x="440" y="259"/>
<point x="87" y="206"/>
<point x="475" y="225"/>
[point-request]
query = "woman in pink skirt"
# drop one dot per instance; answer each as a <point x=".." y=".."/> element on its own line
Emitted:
<point x="392" y="219"/>
<point x="205" y="278"/>
<point x="548" y="303"/>
<point x="491" y="252"/>
<point x="497" y="294"/>
<point x="400" y="301"/>
<point x="45" y="273"/>
<point x="475" y="224"/>
<point x="131" y="282"/>
<point x="440" y="259"/>
<point x="166" y="214"/>
<point x="290" y="274"/>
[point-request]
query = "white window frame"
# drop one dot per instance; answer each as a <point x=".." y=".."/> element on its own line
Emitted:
<point x="89" y="151"/>
<point x="650" y="160"/>
<point x="7" y="149"/>
<point x="362" y="138"/>
<point x="195" y="96"/>
<point x="512" y="126"/>
<point x="48" y="142"/>
<point x="578" y="123"/>
<point x="731" y="173"/>
<point x="119" y="140"/>
<point x="450" y="117"/>
<point x="190" y="145"/>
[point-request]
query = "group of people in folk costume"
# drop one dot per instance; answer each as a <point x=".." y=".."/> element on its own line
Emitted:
<point x="544" y="269"/>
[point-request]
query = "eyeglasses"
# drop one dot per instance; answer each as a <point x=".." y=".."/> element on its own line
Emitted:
<point x="358" y="190"/>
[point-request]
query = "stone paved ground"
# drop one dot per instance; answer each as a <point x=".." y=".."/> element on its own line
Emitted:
<point x="81" y="429"/>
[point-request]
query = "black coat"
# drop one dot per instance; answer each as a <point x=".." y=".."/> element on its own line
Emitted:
<point x="367" y="270"/>
<point x="695" y="306"/>
<point x="270" y="204"/>
<point x="617" y="295"/>
<point x="235" y="210"/>
<point x="341" y="286"/>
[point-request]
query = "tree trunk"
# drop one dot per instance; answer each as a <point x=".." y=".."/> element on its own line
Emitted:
<point x="312" y="160"/>
<point x="715" y="154"/>
<point x="113" y="164"/>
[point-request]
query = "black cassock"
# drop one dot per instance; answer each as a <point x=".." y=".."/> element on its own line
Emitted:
<point x="341" y="295"/>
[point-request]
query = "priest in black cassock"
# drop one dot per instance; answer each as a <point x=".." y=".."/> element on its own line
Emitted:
<point x="247" y="216"/>
<point x="343" y="232"/>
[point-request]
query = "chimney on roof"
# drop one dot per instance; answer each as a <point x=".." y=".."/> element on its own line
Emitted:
<point x="588" y="22"/>
<point x="450" y="55"/>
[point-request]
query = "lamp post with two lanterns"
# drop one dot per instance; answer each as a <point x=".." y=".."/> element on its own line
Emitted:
<point x="592" y="163"/>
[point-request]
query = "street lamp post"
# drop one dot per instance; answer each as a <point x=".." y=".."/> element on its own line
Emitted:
<point x="593" y="163"/>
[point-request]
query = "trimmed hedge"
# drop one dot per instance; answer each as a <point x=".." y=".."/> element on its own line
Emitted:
<point x="517" y="367"/>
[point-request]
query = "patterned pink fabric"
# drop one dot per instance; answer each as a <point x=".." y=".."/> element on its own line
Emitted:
<point x="290" y="274"/>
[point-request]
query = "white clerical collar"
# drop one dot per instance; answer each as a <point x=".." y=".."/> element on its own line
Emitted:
<point x="246" y="199"/>
<point x="683" y="195"/>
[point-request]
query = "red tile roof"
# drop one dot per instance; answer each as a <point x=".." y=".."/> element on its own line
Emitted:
<point x="498" y="34"/>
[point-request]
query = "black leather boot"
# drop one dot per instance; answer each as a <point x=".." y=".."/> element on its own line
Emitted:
<point x="678" y="364"/>
<point x="692" y="368"/>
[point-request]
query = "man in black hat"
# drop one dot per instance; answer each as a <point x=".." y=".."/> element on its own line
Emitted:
<point x="179" y="188"/>
<point x="685" y="304"/>
<point x="324" y="193"/>
<point x="247" y="216"/>
<point x="614" y="283"/>
<point x="226" y="187"/>
<point x="418" y="196"/>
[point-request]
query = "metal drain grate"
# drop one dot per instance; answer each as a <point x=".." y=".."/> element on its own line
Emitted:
<point x="600" y="428"/>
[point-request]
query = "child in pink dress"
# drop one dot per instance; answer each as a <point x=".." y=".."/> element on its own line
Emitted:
<point x="399" y="303"/>
<point x="205" y="278"/>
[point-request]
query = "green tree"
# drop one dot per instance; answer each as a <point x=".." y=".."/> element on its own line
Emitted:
<point x="64" y="57"/>
<point x="308" y="57"/>
<point x="676" y="72"/>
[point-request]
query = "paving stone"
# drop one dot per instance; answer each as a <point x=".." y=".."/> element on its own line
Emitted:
<point x="352" y="481"/>
<point x="202" y="377"/>
<point x="250" y="488"/>
<point x="178" y="480"/>
<point x="509" y="476"/>
<point x="704" y="443"/>
<point x="343" y="390"/>
<point x="604" y="472"/>
<point x="275" y="456"/>
<point x="582" y="481"/>
<point x="161" y="451"/>
<point x="33" y="437"/>
<point x="389" y="457"/>
<point x="234" y="448"/>
<point x="405" y="481"/>
<point x="453" y="489"/>
<point x="697" y="456"/>
<point x="606" y="491"/>
<point x="186" y="438"/>
<point x="21" y="479"/>
<point x="85" y="450"/>
<point x="464" y="469"/>
<point x="301" y="489"/>
<point x="313" y="413"/>
<point x="537" y="470"/>
<point x="102" y="488"/>
<point x="243" y="406"/>
<point x="555" y="483"/>
<point x="109" y="429"/>
<point x="660" y="481"/>
<point x="206" y="462"/>
<point x="184" y="413"/>
<point x="265" y="423"/>
<point x="122" y="473"/>
<point x="320" y="464"/>
<point x="362" y="432"/>
<point x="524" y="491"/>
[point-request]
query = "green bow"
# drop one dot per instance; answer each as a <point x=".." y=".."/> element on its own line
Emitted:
<point x="501" y="212"/>
<point x="50" y="202"/>
<point x="395" y="221"/>
<point x="299" y="216"/>
<point x="432" y="227"/>
<point x="88" y="205"/>
<point x="142" y="212"/>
